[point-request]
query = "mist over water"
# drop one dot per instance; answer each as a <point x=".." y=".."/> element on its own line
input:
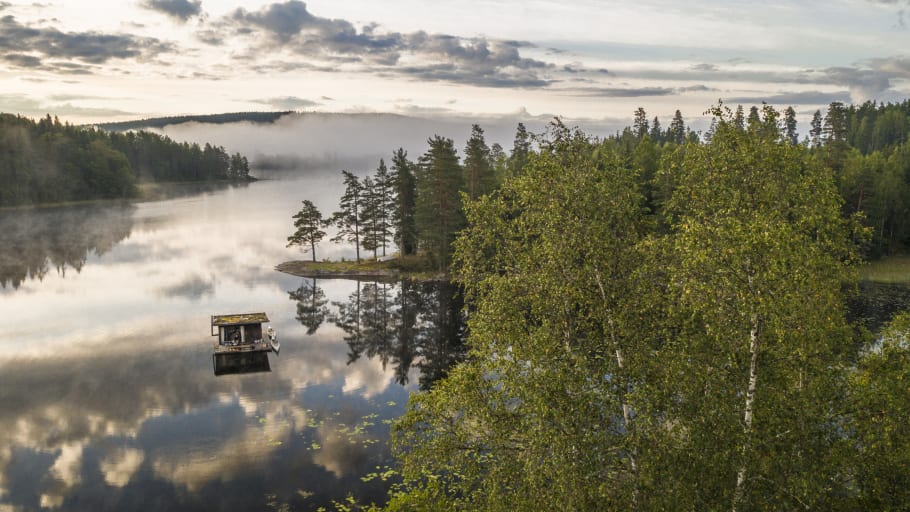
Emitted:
<point x="108" y="391"/>
<point x="316" y="142"/>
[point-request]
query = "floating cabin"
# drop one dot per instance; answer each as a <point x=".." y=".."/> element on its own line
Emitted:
<point x="240" y="333"/>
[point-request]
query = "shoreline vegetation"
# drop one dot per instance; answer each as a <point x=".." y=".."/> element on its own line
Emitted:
<point x="145" y="192"/>
<point x="894" y="269"/>
<point x="46" y="162"/>
<point x="412" y="267"/>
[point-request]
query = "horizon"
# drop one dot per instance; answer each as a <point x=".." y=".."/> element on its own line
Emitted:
<point x="119" y="61"/>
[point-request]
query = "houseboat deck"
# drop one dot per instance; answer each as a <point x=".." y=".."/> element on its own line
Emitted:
<point x="241" y="333"/>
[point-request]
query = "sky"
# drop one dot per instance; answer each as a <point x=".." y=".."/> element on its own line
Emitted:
<point x="107" y="60"/>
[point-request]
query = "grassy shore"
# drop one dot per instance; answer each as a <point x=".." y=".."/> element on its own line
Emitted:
<point x="890" y="270"/>
<point x="409" y="267"/>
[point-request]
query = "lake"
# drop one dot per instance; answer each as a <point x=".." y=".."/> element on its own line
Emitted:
<point x="109" y="393"/>
<point x="109" y="398"/>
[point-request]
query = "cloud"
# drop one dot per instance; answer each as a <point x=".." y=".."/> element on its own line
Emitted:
<point x="27" y="47"/>
<point x="180" y="9"/>
<point x="794" y="98"/>
<point x="896" y="66"/>
<point x="635" y="92"/>
<point x="704" y="67"/>
<point x="192" y="287"/>
<point x="864" y="84"/>
<point x="330" y="43"/>
<point x="288" y="103"/>
<point x="21" y="60"/>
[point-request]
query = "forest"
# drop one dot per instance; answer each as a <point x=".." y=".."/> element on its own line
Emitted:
<point x="46" y="161"/>
<point x="161" y="122"/>
<point x="656" y="320"/>
<point x="419" y="204"/>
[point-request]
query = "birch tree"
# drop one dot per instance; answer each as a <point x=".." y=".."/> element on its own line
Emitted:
<point x="541" y="417"/>
<point x="761" y="255"/>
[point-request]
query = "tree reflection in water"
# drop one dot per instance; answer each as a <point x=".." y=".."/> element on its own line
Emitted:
<point x="33" y="241"/>
<point x="405" y="323"/>
<point x="311" y="305"/>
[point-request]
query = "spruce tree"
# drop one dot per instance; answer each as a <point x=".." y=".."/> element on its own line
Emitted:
<point x="439" y="213"/>
<point x="656" y="134"/>
<point x="790" y="133"/>
<point x="677" y="129"/>
<point x="405" y="194"/>
<point x="640" y="123"/>
<point x="520" y="149"/>
<point x="478" y="174"/>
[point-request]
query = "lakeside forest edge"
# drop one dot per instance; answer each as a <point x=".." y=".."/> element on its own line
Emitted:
<point x="655" y="321"/>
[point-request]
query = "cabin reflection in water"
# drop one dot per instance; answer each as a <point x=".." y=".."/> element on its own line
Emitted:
<point x="242" y="362"/>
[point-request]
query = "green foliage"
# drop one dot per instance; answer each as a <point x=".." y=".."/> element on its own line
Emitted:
<point x="438" y="214"/>
<point x="531" y="422"/>
<point x="45" y="161"/>
<point x="880" y="400"/>
<point x="478" y="173"/>
<point x="521" y="148"/>
<point x="348" y="218"/>
<point x="760" y="256"/>
<point x="308" y="222"/>
<point x="404" y="182"/>
<point x="614" y="366"/>
<point x="161" y="122"/>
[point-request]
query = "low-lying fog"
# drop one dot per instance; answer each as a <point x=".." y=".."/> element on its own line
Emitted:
<point x="330" y="142"/>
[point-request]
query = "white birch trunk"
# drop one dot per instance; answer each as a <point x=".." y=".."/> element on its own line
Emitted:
<point x="747" y="416"/>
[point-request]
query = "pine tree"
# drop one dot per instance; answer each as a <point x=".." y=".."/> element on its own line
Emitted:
<point x="640" y="123"/>
<point x="815" y="131"/>
<point x="499" y="162"/>
<point x="439" y="213"/>
<point x="790" y="133"/>
<point x="385" y="190"/>
<point x="656" y="134"/>
<point x="520" y="149"/>
<point x="405" y="194"/>
<point x="677" y="131"/>
<point x="308" y="222"/>
<point x="370" y="217"/>
<point x="478" y="174"/>
<point x="348" y="217"/>
<point x="754" y="120"/>
<point x="834" y="133"/>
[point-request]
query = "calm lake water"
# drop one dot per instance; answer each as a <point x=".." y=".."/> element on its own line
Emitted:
<point x="108" y="393"/>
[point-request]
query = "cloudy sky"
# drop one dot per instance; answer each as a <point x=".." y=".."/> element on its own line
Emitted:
<point x="99" y="60"/>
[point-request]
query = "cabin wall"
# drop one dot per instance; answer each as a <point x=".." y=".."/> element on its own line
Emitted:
<point x="252" y="332"/>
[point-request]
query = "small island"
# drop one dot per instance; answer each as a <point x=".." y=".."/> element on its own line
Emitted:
<point x="395" y="268"/>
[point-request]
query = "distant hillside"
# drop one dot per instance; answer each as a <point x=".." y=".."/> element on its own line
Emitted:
<point x="161" y="122"/>
<point x="45" y="161"/>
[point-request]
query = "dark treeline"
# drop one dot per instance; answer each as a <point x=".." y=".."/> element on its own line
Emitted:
<point x="46" y="161"/>
<point x="866" y="146"/>
<point x="661" y="324"/>
<point x="415" y="205"/>
<point x="161" y="122"/>
<point x="418" y="204"/>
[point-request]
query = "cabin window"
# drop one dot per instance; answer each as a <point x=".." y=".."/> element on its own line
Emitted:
<point x="231" y="334"/>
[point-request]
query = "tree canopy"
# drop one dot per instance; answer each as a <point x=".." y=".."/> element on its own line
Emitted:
<point x="46" y="161"/>
<point x="618" y="366"/>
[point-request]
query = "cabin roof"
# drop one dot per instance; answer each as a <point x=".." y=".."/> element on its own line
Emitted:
<point x="240" y="319"/>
